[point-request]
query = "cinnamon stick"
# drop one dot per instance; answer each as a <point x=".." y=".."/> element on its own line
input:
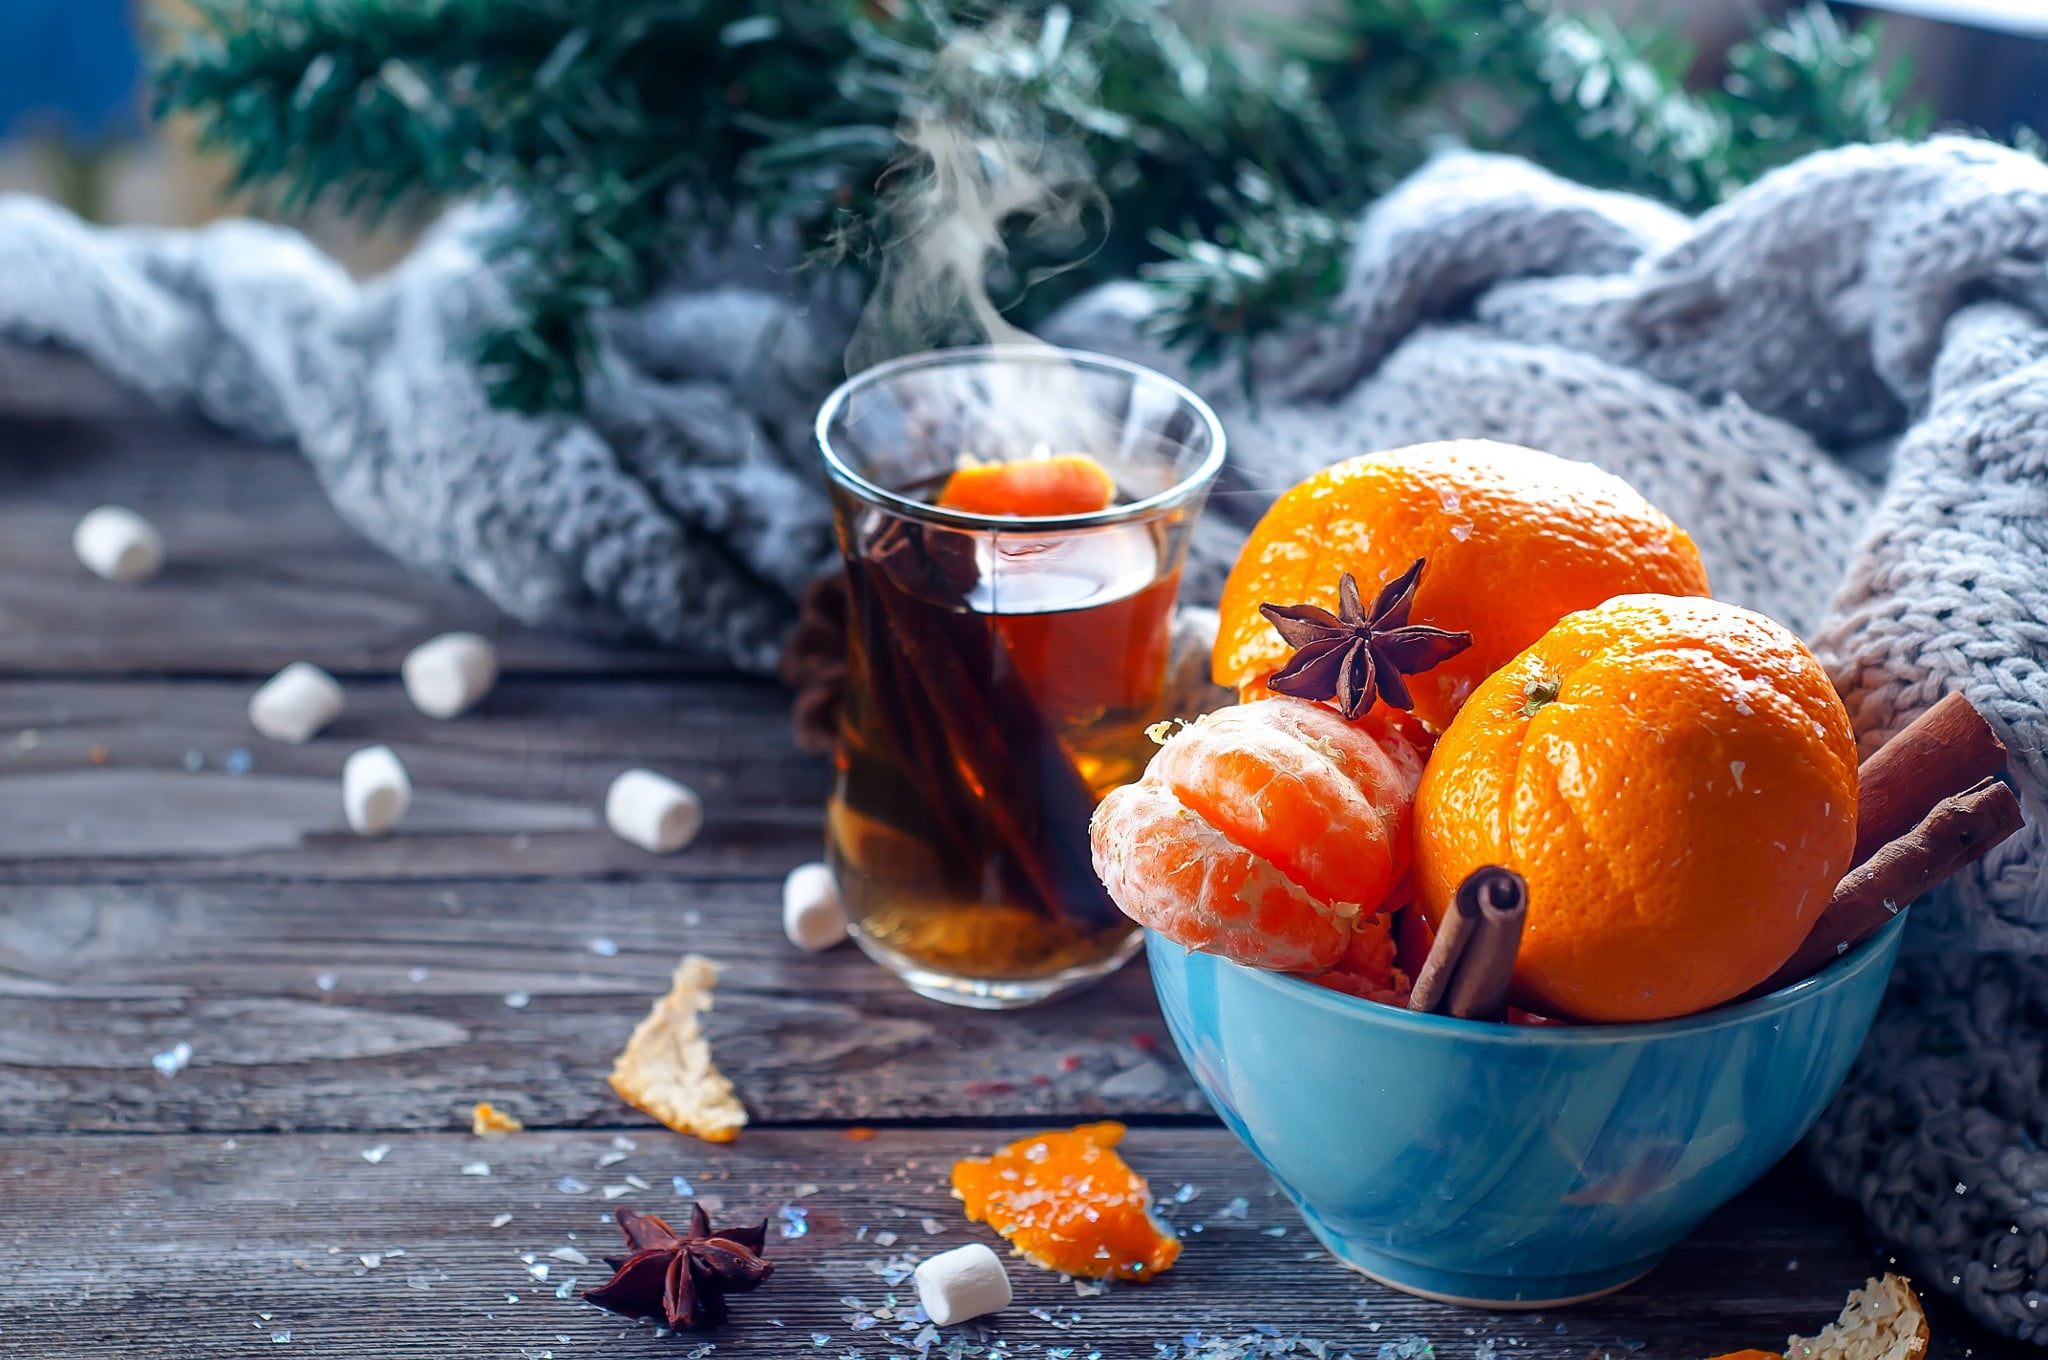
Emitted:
<point x="1959" y="830"/>
<point x="1945" y="750"/>
<point x="1473" y="957"/>
<point x="976" y="730"/>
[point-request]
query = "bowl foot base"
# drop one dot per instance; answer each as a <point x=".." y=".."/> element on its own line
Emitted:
<point x="1499" y="1293"/>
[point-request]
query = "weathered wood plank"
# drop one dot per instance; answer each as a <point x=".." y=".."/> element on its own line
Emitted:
<point x="412" y="1026"/>
<point x="259" y="570"/>
<point x="513" y="788"/>
<point x="176" y="1247"/>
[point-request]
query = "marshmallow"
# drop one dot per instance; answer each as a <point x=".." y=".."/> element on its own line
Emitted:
<point x="812" y="914"/>
<point x="963" y="1283"/>
<point x="445" y="676"/>
<point x="375" y="790"/>
<point x="652" y="811"/>
<point x="118" y="544"/>
<point x="295" y="703"/>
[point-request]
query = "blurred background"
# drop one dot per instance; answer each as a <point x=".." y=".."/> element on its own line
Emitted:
<point x="75" y="127"/>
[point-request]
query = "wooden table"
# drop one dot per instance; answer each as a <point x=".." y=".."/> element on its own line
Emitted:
<point x="305" y="1184"/>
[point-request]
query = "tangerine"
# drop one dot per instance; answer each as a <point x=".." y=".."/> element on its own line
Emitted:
<point x="1265" y="832"/>
<point x="1367" y="968"/>
<point x="1675" y="779"/>
<point x="1516" y="539"/>
<point x="1065" y="484"/>
<point x="1067" y="1201"/>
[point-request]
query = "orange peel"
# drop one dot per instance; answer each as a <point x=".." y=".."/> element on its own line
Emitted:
<point x="1066" y="1201"/>
<point x="488" y="1121"/>
<point x="1067" y="484"/>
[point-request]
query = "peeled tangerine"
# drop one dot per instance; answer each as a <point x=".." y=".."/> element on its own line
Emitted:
<point x="1675" y="778"/>
<point x="1067" y="1201"/>
<point x="1269" y="833"/>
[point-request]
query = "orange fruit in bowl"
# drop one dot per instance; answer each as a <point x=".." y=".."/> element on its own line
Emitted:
<point x="1675" y="779"/>
<point x="1515" y="540"/>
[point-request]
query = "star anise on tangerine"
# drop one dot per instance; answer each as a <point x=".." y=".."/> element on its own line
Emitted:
<point x="682" y="1277"/>
<point x="1356" y="653"/>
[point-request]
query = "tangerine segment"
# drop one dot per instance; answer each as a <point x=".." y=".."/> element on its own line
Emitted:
<point x="1068" y="484"/>
<point x="1515" y="540"/>
<point x="1675" y="779"/>
<point x="1305" y="803"/>
<point x="1172" y="872"/>
<point x="1067" y="1201"/>
<point x="1367" y="968"/>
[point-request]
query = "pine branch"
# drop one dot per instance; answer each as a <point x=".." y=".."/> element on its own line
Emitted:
<point x="624" y="129"/>
<point x="1598" y="104"/>
<point x="601" y="116"/>
<point x="1807" y="84"/>
<point x="1130" y="104"/>
<point x="1271" y="261"/>
<point x="1580" y="96"/>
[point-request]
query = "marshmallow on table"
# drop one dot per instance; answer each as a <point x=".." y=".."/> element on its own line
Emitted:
<point x="375" y="790"/>
<point x="963" y="1283"/>
<point x="118" y="544"/>
<point x="445" y="676"/>
<point x="295" y="703"/>
<point x="812" y="914"/>
<point x="652" y="811"/>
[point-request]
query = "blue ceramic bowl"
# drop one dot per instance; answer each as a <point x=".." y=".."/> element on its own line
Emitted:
<point x="1511" y="1166"/>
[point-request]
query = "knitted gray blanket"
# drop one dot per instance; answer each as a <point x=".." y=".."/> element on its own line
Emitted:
<point x="1838" y="382"/>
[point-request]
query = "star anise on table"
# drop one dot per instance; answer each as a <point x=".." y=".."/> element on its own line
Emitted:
<point x="685" y="1277"/>
<point x="1357" y="653"/>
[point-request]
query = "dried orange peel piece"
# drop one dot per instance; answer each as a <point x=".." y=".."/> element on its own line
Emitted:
<point x="1068" y="484"/>
<point x="1881" y="1321"/>
<point x="1066" y="1201"/>
<point x="666" y="1068"/>
<point x="488" y="1121"/>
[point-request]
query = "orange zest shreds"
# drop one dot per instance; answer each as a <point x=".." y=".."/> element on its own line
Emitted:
<point x="1750" y="1355"/>
<point x="859" y="1133"/>
<point x="1067" y="1202"/>
<point x="1069" y="484"/>
<point x="488" y="1121"/>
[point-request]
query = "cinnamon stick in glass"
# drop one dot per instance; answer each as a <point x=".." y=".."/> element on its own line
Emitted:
<point x="974" y="729"/>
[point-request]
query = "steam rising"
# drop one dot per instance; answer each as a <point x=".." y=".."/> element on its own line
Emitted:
<point x="959" y="195"/>
<point x="958" y="192"/>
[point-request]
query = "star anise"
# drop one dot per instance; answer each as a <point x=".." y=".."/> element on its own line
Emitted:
<point x="1356" y="653"/>
<point x="682" y="1278"/>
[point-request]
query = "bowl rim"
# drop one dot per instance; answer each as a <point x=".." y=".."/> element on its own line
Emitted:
<point x="1771" y="1003"/>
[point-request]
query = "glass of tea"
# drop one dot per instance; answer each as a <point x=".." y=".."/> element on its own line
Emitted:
<point x="1003" y="667"/>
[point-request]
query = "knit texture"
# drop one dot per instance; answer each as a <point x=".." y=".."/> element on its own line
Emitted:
<point x="686" y="507"/>
<point x="1838" y="382"/>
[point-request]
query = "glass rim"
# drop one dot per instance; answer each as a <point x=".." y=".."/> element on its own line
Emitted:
<point x="1181" y="490"/>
